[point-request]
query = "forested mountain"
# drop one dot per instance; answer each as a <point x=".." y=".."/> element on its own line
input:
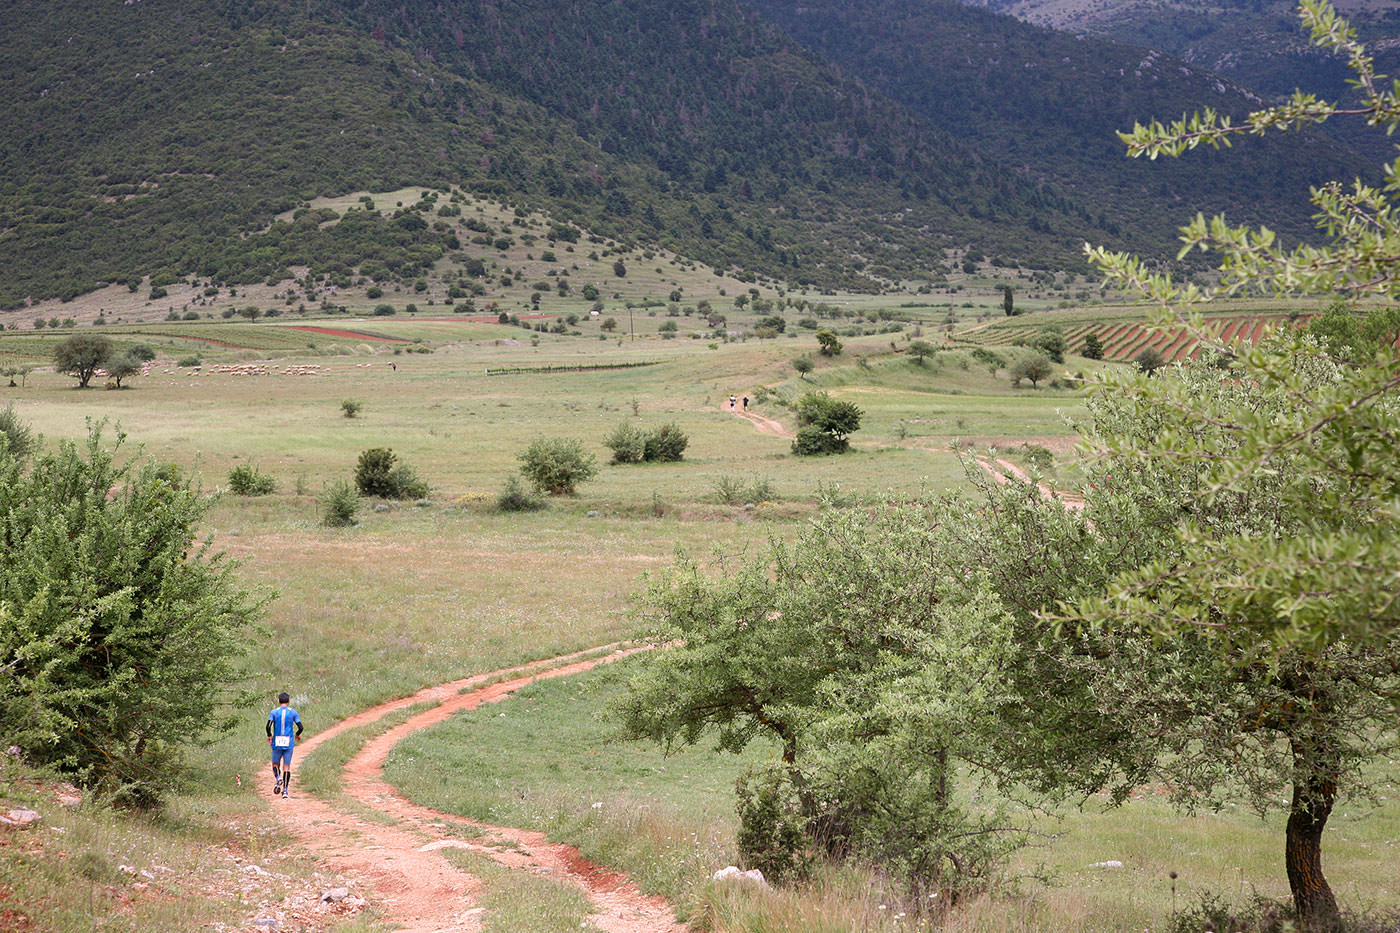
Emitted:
<point x="1049" y="103"/>
<point x="1258" y="43"/>
<point x="150" y="136"/>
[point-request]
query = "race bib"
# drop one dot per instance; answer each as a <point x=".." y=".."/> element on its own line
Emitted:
<point x="282" y="741"/>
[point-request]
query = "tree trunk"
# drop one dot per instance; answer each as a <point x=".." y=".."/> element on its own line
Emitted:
<point x="1314" y="792"/>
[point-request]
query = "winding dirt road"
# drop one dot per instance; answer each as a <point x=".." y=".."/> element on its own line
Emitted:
<point x="394" y="846"/>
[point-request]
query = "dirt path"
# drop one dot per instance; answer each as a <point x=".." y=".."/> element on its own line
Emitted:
<point x="394" y="847"/>
<point x="764" y="425"/>
<point x="1003" y="471"/>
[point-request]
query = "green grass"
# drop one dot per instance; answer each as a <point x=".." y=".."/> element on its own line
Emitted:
<point x="544" y="759"/>
<point x="416" y="596"/>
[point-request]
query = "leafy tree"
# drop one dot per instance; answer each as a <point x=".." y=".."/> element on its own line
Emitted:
<point x="1312" y="598"/>
<point x="804" y="365"/>
<point x="1034" y="366"/>
<point x="81" y="355"/>
<point x="1051" y="342"/>
<point x="1093" y="347"/>
<point x="247" y="480"/>
<point x="825" y="423"/>
<point x="830" y="345"/>
<point x="556" y="465"/>
<point x="609" y="324"/>
<point x="120" y="367"/>
<point x="619" y="269"/>
<point x="121" y="633"/>
<point x="1008" y="303"/>
<point x="921" y="350"/>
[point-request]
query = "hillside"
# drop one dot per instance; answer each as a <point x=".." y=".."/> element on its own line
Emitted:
<point x="1051" y="103"/>
<point x="150" y="142"/>
<point x="1257" y="43"/>
<point x="146" y="141"/>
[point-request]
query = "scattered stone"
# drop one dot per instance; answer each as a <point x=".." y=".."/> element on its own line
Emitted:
<point x="67" y="795"/>
<point x="592" y="513"/>
<point x="334" y="895"/>
<point x="19" y="818"/>
<point x="423" y="503"/>
<point x="381" y="507"/>
<point x="1110" y="864"/>
<point x="256" y="870"/>
<point x="267" y="923"/>
<point x="732" y="873"/>
<point x="749" y="506"/>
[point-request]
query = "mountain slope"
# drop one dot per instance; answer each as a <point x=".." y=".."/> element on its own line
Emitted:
<point x="1050" y="103"/>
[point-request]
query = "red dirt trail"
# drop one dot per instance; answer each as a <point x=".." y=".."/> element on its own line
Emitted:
<point x="395" y="846"/>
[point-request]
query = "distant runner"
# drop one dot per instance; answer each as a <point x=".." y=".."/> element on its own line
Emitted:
<point x="283" y="729"/>
<point x="732" y="400"/>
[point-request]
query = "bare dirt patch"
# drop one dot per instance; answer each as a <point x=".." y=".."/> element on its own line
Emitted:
<point x="398" y="862"/>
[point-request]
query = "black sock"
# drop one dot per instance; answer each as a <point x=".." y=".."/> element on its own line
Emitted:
<point x="286" y="779"/>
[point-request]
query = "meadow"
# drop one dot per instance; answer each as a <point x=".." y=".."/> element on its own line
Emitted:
<point x="418" y="593"/>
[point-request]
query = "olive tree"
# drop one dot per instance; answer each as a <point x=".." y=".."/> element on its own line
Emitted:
<point x="120" y="632"/>
<point x="81" y="355"/>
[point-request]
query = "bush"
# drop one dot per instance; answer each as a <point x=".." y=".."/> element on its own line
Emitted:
<point x="1034" y="366"/>
<point x="19" y="439"/>
<point x="627" y="442"/>
<point x="245" y="480"/>
<point x="826" y="422"/>
<point x="730" y="490"/>
<point x="516" y="498"/>
<point x="665" y="444"/>
<point x="121" y="634"/>
<point x="556" y="465"/>
<point x="772" y="836"/>
<point x="189" y="361"/>
<point x="630" y="444"/>
<point x="339" y="504"/>
<point x="1093" y="347"/>
<point x="350" y="407"/>
<point x="378" y="472"/>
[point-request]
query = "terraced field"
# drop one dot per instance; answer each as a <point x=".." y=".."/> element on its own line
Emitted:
<point x="1126" y="332"/>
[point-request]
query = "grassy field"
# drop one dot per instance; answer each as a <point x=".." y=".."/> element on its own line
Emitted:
<point x="418" y="594"/>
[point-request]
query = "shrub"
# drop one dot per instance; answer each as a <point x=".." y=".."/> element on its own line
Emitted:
<point x="378" y="472"/>
<point x="189" y="361"/>
<point x="556" y="465"/>
<point x="1034" y="366"/>
<point x="20" y="441"/>
<point x="1093" y="347"/>
<point x="339" y="504"/>
<point x="246" y="480"/>
<point x="627" y="442"/>
<point x="384" y="310"/>
<point x="825" y="423"/>
<point x="665" y="444"/>
<point x="516" y="498"/>
<point x="804" y="365"/>
<point x="122" y="633"/>
<point x="730" y="490"/>
<point x="350" y="407"/>
<point x="772" y="836"/>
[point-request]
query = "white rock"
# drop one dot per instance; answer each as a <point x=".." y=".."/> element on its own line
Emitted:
<point x="732" y="873"/>
<point x="19" y="818"/>
<point x="335" y="895"/>
<point x="1111" y="863"/>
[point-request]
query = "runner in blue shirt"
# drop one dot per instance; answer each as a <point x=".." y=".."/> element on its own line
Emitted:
<point x="283" y="730"/>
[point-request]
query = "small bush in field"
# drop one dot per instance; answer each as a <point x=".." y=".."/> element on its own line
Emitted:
<point x="630" y="444"/>
<point x="379" y="473"/>
<point x="516" y="498"/>
<point x="556" y="465"/>
<point x="627" y="442"/>
<point x="350" y="407"/>
<point x="339" y="505"/>
<point x="730" y="490"/>
<point x="246" y="480"/>
<point x="666" y="443"/>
